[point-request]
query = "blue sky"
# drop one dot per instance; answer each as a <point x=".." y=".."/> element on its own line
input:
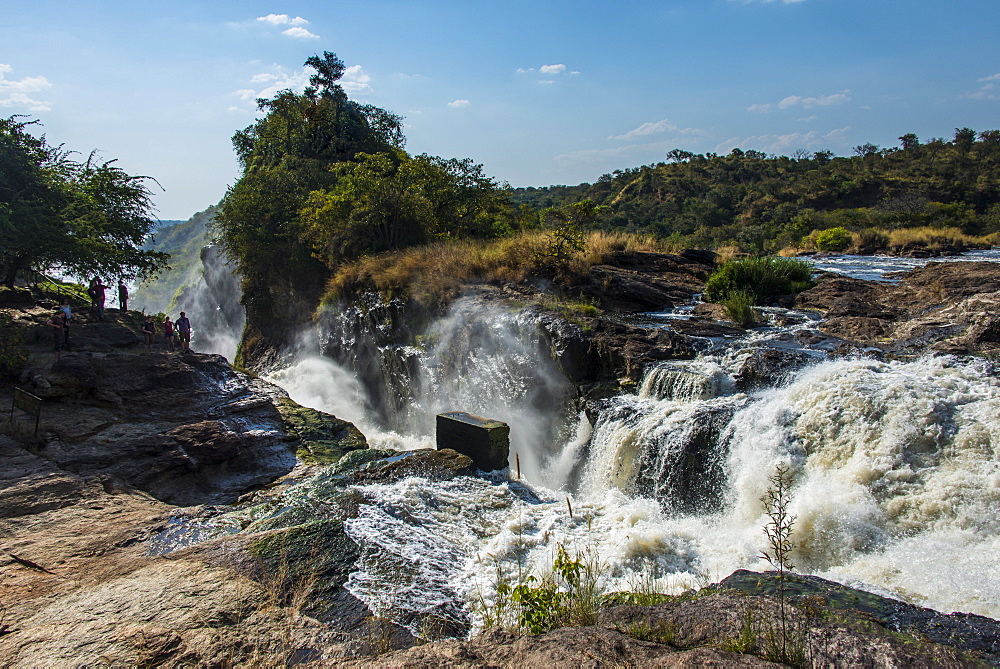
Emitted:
<point x="539" y="92"/>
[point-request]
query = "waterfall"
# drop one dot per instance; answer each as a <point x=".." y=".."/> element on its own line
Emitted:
<point x="391" y="378"/>
<point x="895" y="465"/>
<point x="896" y="472"/>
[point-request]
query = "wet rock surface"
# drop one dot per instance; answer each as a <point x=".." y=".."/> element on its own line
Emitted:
<point x="946" y="307"/>
<point x="735" y="623"/>
<point x="186" y="429"/>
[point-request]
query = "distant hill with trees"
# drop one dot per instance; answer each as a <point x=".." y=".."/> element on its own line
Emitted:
<point x="764" y="202"/>
<point x="183" y="241"/>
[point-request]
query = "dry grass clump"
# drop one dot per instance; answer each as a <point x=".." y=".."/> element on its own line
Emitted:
<point x="931" y="238"/>
<point x="878" y="240"/>
<point x="434" y="272"/>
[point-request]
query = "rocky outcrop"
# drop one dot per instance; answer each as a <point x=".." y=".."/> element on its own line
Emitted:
<point x="186" y="429"/>
<point x="641" y="281"/>
<point x="948" y="307"/>
<point x="737" y="623"/>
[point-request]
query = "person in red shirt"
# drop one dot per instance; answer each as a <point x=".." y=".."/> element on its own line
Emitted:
<point x="168" y="332"/>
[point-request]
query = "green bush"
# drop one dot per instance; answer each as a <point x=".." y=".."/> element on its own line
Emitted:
<point x="834" y="239"/>
<point x="758" y="279"/>
<point x="13" y="355"/>
<point x="871" y="241"/>
<point x="739" y="308"/>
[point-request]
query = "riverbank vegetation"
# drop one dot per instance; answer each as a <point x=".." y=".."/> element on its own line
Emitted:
<point x="71" y="217"/>
<point x="330" y="202"/>
<point x="433" y="272"/>
<point x="764" y="202"/>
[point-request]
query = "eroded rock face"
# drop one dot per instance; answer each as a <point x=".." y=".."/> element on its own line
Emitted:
<point x="187" y="429"/>
<point x="948" y="307"/>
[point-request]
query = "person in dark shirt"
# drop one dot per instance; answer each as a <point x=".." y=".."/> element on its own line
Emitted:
<point x="184" y="330"/>
<point x="122" y="296"/>
<point x="148" y="330"/>
<point x="58" y="325"/>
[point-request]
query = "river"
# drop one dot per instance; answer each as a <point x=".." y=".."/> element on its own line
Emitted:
<point x="895" y="466"/>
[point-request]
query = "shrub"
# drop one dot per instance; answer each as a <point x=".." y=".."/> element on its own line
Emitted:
<point x="758" y="278"/>
<point x="871" y="241"/>
<point x="834" y="239"/>
<point x="739" y="308"/>
<point x="13" y="355"/>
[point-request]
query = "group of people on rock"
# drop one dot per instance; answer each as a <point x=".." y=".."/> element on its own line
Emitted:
<point x="96" y="292"/>
<point x="60" y="320"/>
<point x="180" y="329"/>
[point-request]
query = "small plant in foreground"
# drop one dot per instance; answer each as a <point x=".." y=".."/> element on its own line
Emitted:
<point x="568" y="595"/>
<point x="778" y="553"/>
<point x="738" y="306"/>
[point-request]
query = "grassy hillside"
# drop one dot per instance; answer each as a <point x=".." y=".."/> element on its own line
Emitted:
<point x="183" y="241"/>
<point x="763" y="203"/>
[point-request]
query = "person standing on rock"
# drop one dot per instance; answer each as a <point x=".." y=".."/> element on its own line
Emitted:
<point x="148" y="330"/>
<point x="184" y="329"/>
<point x="98" y="296"/>
<point x="122" y="296"/>
<point x="168" y="332"/>
<point x="92" y="294"/>
<point x="68" y="316"/>
<point x="58" y="325"/>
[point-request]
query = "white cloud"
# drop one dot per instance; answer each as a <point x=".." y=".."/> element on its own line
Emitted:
<point x="810" y="102"/>
<point x="548" y="70"/>
<point x="657" y="128"/>
<point x="987" y="91"/>
<point x="783" y="144"/>
<point x="804" y="102"/>
<point x="628" y="152"/>
<point x="15" y="92"/>
<point x="299" y="33"/>
<point x="277" y="79"/>
<point x="458" y="104"/>
<point x="355" y="81"/>
<point x="282" y="20"/>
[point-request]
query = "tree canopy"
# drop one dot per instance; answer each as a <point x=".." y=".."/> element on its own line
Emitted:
<point x="763" y="202"/>
<point x="81" y="218"/>
<point x="326" y="179"/>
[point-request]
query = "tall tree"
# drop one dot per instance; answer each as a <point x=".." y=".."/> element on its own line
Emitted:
<point x="80" y="218"/>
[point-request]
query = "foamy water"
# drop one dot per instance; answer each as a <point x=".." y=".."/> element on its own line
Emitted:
<point x="896" y="472"/>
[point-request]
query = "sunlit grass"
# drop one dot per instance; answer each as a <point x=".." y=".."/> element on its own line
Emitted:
<point x="878" y="240"/>
<point x="434" y="272"/>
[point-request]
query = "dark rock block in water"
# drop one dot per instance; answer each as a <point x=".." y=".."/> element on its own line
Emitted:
<point x="762" y="367"/>
<point x="484" y="440"/>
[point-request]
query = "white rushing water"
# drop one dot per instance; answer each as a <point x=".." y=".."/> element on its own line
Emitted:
<point x="895" y="466"/>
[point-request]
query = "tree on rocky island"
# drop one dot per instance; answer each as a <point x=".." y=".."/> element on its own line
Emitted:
<point x="78" y="218"/>
<point x="326" y="179"/>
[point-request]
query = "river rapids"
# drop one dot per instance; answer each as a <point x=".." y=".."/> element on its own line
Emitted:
<point x="895" y="467"/>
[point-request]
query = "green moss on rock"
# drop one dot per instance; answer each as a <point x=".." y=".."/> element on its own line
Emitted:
<point x="323" y="438"/>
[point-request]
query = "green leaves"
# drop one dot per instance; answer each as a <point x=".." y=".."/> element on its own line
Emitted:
<point x="758" y="279"/>
<point x="83" y="219"/>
